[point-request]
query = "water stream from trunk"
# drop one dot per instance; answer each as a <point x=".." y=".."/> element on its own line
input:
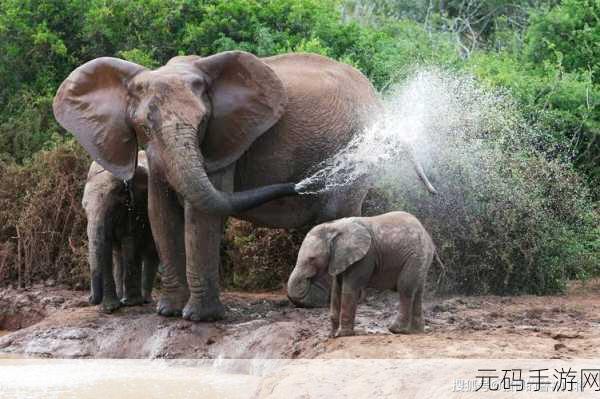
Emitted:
<point x="437" y="114"/>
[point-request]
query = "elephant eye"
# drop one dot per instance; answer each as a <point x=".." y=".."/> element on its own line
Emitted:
<point x="198" y="85"/>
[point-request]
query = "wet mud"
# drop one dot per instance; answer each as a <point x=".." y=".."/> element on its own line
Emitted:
<point x="57" y="323"/>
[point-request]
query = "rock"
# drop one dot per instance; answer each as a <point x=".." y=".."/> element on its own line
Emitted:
<point x="560" y="336"/>
<point x="559" y="346"/>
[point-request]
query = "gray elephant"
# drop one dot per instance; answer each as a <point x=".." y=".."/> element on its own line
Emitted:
<point x="119" y="237"/>
<point x="389" y="251"/>
<point x="226" y="135"/>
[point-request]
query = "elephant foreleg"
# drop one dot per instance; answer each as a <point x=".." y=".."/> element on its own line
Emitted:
<point x="166" y="219"/>
<point x="132" y="264"/>
<point x="202" y="244"/>
<point x="354" y="280"/>
<point x="100" y="241"/>
<point x="334" y="309"/>
<point x="150" y="267"/>
<point x="110" y="300"/>
<point x="118" y="270"/>
<point x="348" y="302"/>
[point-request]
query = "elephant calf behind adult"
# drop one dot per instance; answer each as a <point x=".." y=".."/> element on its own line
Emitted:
<point x="227" y="134"/>
<point x="122" y="256"/>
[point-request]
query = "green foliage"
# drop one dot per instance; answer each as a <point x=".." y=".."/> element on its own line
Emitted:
<point x="42" y="41"/>
<point x="565" y="105"/>
<point x="567" y="35"/>
<point x="28" y="126"/>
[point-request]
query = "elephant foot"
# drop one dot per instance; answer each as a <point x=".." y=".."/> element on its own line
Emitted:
<point x="94" y="299"/>
<point x="198" y="310"/>
<point x="345" y="332"/>
<point x="171" y="305"/>
<point x="333" y="330"/>
<point x="405" y="329"/>
<point x="133" y="301"/>
<point x="109" y="305"/>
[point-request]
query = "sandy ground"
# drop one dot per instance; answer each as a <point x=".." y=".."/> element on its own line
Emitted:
<point x="57" y="323"/>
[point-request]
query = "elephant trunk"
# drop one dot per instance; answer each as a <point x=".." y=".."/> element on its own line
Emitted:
<point x="99" y="256"/>
<point x="187" y="175"/>
<point x="306" y="291"/>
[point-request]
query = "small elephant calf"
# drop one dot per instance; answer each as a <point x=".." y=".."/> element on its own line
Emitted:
<point x="389" y="251"/>
<point x="119" y="237"/>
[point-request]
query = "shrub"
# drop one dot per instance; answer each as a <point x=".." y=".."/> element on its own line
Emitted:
<point x="567" y="34"/>
<point x="512" y="216"/>
<point x="42" y="224"/>
<point x="258" y="258"/>
<point x="565" y="106"/>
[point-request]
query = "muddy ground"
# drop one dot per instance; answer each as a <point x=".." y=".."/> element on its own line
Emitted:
<point x="53" y="322"/>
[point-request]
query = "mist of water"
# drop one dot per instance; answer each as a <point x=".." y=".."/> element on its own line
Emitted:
<point x="437" y="114"/>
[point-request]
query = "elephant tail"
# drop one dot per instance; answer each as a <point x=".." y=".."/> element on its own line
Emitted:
<point x="419" y="169"/>
<point x="423" y="176"/>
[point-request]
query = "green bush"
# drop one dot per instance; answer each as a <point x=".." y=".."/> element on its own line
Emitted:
<point x="564" y="105"/>
<point x="567" y="34"/>
<point x="512" y="216"/>
<point x="42" y="41"/>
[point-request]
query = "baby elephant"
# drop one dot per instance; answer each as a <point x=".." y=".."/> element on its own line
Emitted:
<point x="119" y="237"/>
<point x="389" y="251"/>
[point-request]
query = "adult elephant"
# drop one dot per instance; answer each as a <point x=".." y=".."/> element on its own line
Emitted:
<point x="224" y="135"/>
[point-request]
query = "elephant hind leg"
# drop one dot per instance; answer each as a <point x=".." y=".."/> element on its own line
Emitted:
<point x="417" y="324"/>
<point x="402" y="323"/>
<point x="410" y="289"/>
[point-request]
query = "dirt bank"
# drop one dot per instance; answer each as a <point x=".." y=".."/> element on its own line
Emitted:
<point x="58" y="323"/>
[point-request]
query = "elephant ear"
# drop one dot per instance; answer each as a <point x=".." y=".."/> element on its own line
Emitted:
<point x="350" y="245"/>
<point x="247" y="99"/>
<point x="92" y="104"/>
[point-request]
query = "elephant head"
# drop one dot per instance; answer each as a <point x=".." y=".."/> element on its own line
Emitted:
<point x="198" y="114"/>
<point x="328" y="250"/>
